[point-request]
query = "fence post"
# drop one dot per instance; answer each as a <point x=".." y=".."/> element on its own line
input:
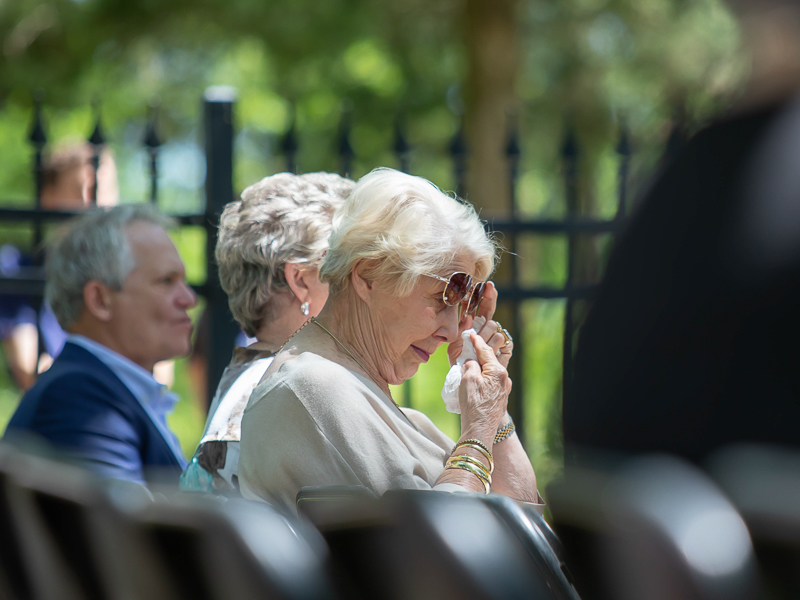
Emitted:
<point x="38" y="139"/>
<point x="517" y="400"/>
<point x="569" y="154"/>
<point x="289" y="144"/>
<point x="458" y="150"/>
<point x="344" y="149"/>
<point x="152" y="141"/>
<point x="96" y="140"/>
<point x="400" y="146"/>
<point x="218" y="124"/>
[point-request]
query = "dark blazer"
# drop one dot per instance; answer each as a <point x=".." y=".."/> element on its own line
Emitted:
<point x="81" y="407"/>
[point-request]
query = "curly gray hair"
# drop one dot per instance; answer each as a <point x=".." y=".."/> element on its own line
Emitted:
<point x="282" y="219"/>
<point x="92" y="247"/>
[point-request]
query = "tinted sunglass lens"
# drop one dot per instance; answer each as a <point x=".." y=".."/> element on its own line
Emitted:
<point x="475" y="299"/>
<point x="457" y="288"/>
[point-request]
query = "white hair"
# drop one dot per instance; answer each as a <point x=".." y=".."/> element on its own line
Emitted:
<point x="284" y="218"/>
<point x="404" y="227"/>
<point x="92" y="247"/>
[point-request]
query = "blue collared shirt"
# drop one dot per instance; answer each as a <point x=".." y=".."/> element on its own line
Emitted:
<point x="158" y="401"/>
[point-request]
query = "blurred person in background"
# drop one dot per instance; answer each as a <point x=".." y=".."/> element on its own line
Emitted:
<point x="407" y="269"/>
<point x="269" y="248"/>
<point x="68" y="183"/>
<point x="117" y="285"/>
<point x="692" y="340"/>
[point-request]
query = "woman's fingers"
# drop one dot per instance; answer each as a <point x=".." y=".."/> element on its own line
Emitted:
<point x="489" y="302"/>
<point x="484" y="352"/>
<point x="504" y="353"/>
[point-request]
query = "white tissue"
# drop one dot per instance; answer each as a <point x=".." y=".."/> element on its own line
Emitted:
<point x="453" y="379"/>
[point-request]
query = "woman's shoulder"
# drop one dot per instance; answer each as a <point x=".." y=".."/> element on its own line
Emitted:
<point x="309" y="367"/>
<point x="309" y="377"/>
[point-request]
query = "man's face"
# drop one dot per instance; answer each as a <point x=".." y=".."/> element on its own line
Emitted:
<point x="149" y="321"/>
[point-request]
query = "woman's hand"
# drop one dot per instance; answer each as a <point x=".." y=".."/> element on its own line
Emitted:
<point x="483" y="394"/>
<point x="490" y="332"/>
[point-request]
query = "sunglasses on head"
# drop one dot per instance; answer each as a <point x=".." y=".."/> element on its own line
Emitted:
<point x="462" y="288"/>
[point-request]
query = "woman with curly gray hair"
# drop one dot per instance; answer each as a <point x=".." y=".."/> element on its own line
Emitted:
<point x="407" y="267"/>
<point x="269" y="248"/>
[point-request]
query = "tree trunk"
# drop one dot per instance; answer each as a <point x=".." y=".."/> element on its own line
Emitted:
<point x="491" y="41"/>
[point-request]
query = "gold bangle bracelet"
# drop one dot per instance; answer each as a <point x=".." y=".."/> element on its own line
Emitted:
<point x="488" y="455"/>
<point x="465" y="466"/>
<point x="473" y="461"/>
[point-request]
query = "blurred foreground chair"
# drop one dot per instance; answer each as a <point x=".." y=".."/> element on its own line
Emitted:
<point x="540" y="541"/>
<point x="764" y="484"/>
<point x="218" y="549"/>
<point x="15" y="579"/>
<point x="415" y="544"/>
<point x="81" y="538"/>
<point x="45" y="501"/>
<point x="652" y="528"/>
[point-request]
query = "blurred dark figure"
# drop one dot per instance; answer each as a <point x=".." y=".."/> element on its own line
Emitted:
<point x="68" y="183"/>
<point x="693" y="341"/>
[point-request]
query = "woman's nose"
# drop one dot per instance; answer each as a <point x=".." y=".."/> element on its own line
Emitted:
<point x="449" y="329"/>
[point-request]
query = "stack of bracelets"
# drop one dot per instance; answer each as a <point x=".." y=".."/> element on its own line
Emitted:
<point x="475" y="466"/>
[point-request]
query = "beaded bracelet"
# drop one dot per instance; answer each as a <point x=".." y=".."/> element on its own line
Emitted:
<point x="505" y="431"/>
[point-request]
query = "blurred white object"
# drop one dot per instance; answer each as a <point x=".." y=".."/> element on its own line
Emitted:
<point x="453" y="379"/>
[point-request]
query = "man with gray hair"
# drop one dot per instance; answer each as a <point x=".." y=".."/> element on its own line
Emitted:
<point x="118" y="287"/>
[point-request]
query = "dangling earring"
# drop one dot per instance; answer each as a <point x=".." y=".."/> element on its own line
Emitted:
<point x="304" y="308"/>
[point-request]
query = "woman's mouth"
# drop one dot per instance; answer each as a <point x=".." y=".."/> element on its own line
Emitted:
<point x="422" y="354"/>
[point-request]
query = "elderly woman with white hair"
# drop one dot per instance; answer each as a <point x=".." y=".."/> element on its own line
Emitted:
<point x="269" y="248"/>
<point x="407" y="268"/>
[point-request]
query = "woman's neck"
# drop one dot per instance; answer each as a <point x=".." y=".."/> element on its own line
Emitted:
<point x="348" y="320"/>
<point x="283" y="322"/>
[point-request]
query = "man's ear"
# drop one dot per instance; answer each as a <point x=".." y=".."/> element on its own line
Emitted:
<point x="97" y="300"/>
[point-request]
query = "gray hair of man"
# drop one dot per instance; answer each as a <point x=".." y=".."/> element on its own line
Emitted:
<point x="93" y="247"/>
<point x="284" y="218"/>
<point x="403" y="227"/>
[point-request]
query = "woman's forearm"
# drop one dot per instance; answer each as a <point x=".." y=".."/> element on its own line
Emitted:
<point x="513" y="473"/>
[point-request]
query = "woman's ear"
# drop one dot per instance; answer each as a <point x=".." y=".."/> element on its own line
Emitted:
<point x="299" y="281"/>
<point x="361" y="280"/>
<point x="97" y="301"/>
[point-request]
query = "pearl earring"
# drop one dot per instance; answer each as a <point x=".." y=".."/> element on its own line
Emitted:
<point x="304" y="308"/>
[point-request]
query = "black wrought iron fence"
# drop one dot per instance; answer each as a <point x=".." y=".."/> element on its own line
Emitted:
<point x="219" y="106"/>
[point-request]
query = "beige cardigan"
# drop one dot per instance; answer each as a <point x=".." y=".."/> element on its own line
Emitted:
<point x="314" y="422"/>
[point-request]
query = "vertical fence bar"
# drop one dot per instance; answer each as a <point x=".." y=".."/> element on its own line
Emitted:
<point x="289" y="145"/>
<point x="401" y="151"/>
<point x="624" y="152"/>
<point x="517" y="400"/>
<point x="38" y="138"/>
<point x="96" y="140"/>
<point x="569" y="154"/>
<point x="218" y="126"/>
<point x="343" y="147"/>
<point x="400" y="146"/>
<point x="458" y="152"/>
<point x="152" y="142"/>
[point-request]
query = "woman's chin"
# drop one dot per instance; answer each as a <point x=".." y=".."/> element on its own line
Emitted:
<point x="401" y="378"/>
